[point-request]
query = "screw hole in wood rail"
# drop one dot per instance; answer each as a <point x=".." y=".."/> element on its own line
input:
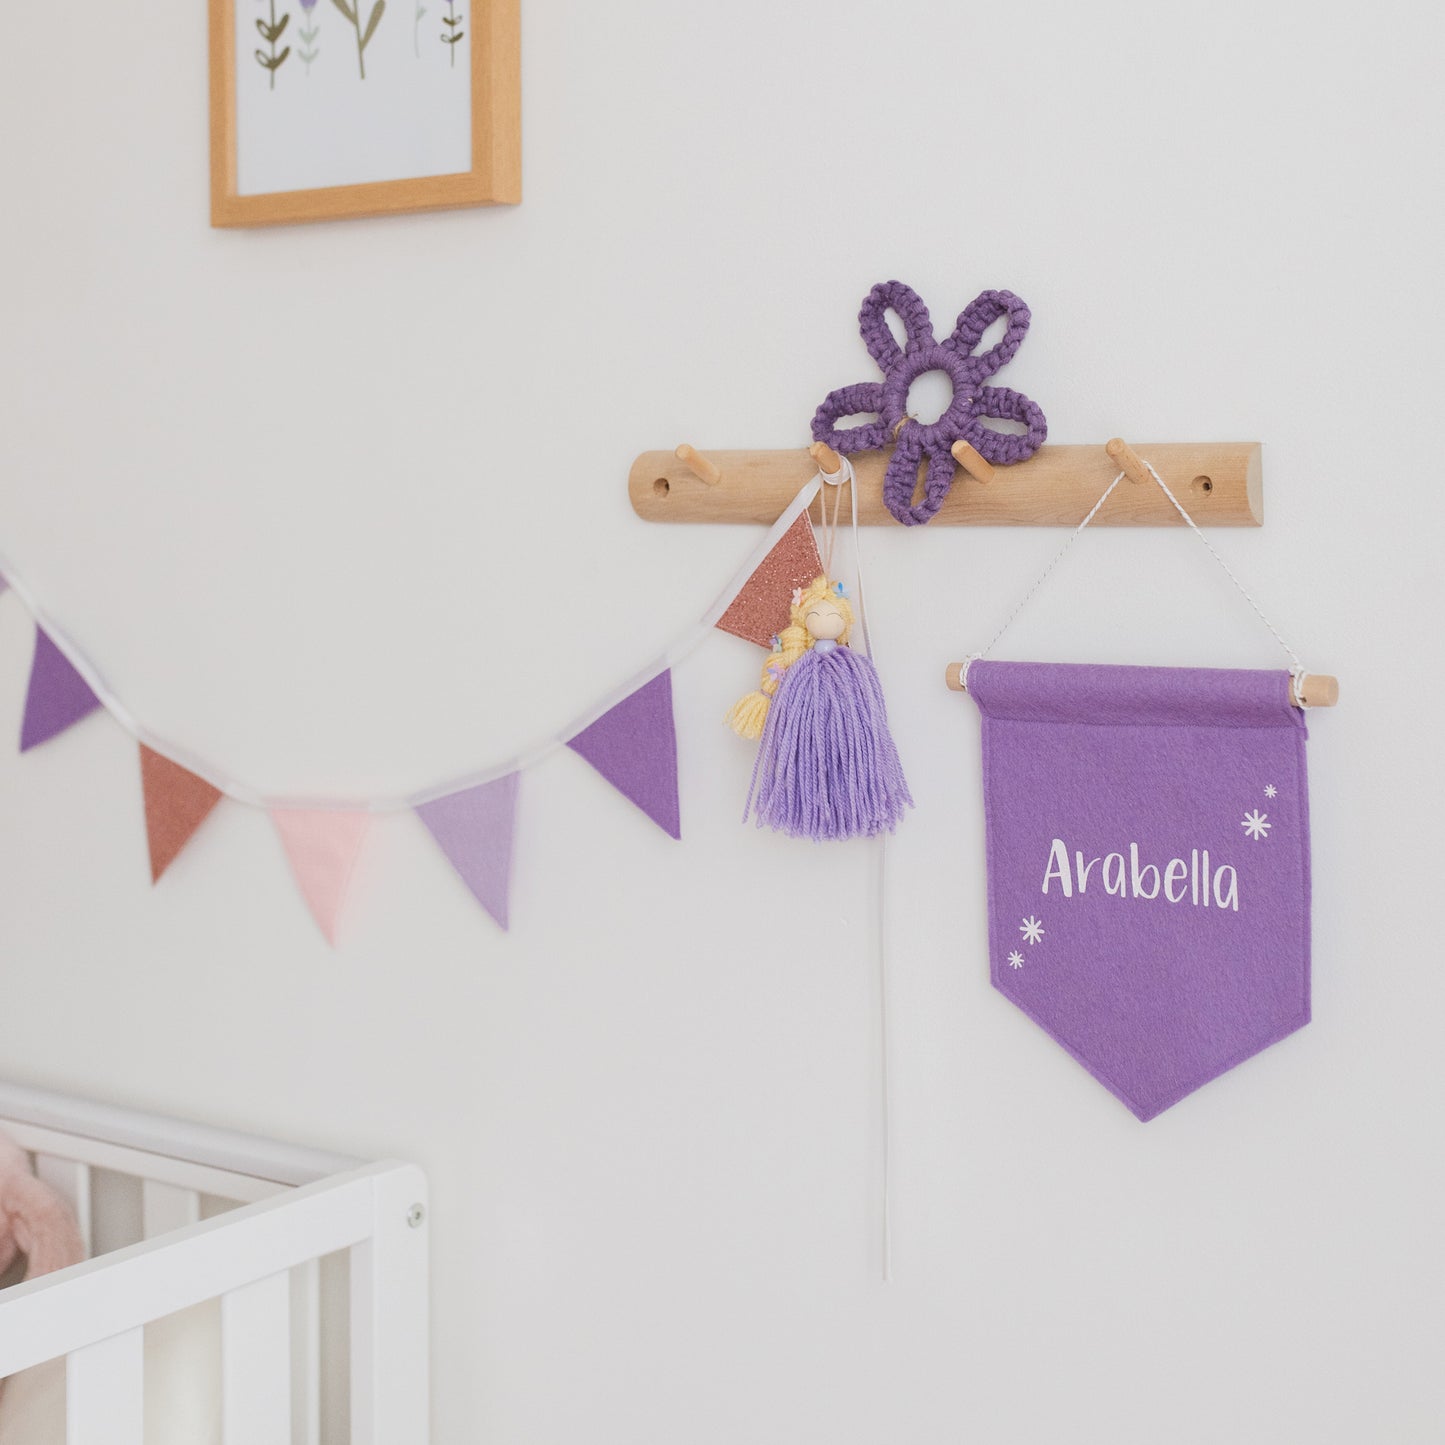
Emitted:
<point x="661" y="486"/>
<point x="1203" y="484"/>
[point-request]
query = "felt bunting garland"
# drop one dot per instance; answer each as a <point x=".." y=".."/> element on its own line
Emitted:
<point x="177" y="802"/>
<point x="632" y="743"/>
<point x="634" y="746"/>
<point x="474" y="828"/>
<point x="58" y="696"/>
<point x="322" y="845"/>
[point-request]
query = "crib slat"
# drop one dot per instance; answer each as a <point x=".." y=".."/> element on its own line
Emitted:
<point x="103" y="1392"/>
<point x="306" y="1353"/>
<point x="389" y="1389"/>
<point x="256" y="1362"/>
<point x="165" y="1207"/>
<point x="72" y="1182"/>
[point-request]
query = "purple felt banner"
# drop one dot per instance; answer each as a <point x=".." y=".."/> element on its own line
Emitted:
<point x="1148" y="865"/>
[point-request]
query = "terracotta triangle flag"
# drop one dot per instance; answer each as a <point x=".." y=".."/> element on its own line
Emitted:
<point x="323" y="845"/>
<point x="760" y="610"/>
<point x="177" y="802"/>
<point x="474" y="829"/>
<point x="58" y="695"/>
<point x="634" y="746"/>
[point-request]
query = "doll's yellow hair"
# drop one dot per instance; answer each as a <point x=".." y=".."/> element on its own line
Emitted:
<point x="748" y="714"/>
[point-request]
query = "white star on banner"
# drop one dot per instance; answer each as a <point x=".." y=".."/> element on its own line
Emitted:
<point x="1256" y="825"/>
<point x="1032" y="929"/>
<point x="1270" y="790"/>
<point x="1015" y="959"/>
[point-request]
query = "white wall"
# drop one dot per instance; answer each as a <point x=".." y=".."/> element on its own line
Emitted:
<point x="344" y="508"/>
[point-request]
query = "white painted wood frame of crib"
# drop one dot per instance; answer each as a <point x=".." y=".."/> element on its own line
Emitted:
<point x="299" y="1206"/>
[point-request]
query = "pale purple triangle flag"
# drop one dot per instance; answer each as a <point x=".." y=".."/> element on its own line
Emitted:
<point x="58" y="695"/>
<point x="474" y="828"/>
<point x="634" y="746"/>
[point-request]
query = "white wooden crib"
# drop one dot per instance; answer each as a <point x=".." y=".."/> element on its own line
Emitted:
<point x="203" y="1215"/>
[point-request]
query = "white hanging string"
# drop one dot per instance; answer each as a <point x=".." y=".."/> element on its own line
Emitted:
<point x="1297" y="668"/>
<point x="845" y="476"/>
<point x="681" y="648"/>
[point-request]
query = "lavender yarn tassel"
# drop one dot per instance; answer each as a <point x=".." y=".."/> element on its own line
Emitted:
<point x="827" y="766"/>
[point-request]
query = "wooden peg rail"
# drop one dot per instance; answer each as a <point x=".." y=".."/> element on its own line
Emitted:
<point x="1320" y="689"/>
<point x="1219" y="483"/>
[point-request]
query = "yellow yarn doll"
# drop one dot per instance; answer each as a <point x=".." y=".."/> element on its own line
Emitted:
<point x="825" y="603"/>
<point x="827" y="766"/>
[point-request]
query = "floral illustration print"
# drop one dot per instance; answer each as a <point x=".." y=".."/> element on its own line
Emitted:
<point x="352" y="10"/>
<point x="307" y="33"/>
<point x="452" y="34"/>
<point x="271" y="34"/>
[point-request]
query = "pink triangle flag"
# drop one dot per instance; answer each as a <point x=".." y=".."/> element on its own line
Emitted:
<point x="58" y="695"/>
<point x="322" y="845"/>
<point x="474" y="829"/>
<point x="634" y="746"/>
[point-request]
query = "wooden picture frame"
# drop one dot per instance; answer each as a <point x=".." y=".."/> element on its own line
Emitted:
<point x="493" y="36"/>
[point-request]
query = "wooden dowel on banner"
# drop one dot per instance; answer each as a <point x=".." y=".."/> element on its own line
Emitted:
<point x="1126" y="460"/>
<point x="1218" y="482"/>
<point x="698" y="464"/>
<point x="1321" y="690"/>
<point x="972" y="461"/>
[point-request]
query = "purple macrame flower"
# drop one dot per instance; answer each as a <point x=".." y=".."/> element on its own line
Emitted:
<point x="902" y="366"/>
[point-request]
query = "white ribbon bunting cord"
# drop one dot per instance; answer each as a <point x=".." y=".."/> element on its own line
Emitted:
<point x="681" y="647"/>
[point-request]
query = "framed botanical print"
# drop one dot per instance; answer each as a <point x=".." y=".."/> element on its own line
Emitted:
<point x="322" y="109"/>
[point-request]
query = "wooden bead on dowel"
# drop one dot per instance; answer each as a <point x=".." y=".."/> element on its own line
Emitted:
<point x="1320" y="690"/>
<point x="698" y="464"/>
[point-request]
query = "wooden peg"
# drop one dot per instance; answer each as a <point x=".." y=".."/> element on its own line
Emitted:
<point x="829" y="462"/>
<point x="954" y="676"/>
<point x="1320" y="690"/>
<point x="698" y="464"/>
<point x="1127" y="461"/>
<point x="972" y="461"/>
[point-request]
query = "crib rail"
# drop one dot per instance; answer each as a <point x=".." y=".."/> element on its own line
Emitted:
<point x="94" y="1314"/>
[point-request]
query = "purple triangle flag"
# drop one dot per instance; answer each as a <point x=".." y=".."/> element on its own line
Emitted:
<point x="634" y="746"/>
<point x="58" y="695"/>
<point x="474" y="828"/>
